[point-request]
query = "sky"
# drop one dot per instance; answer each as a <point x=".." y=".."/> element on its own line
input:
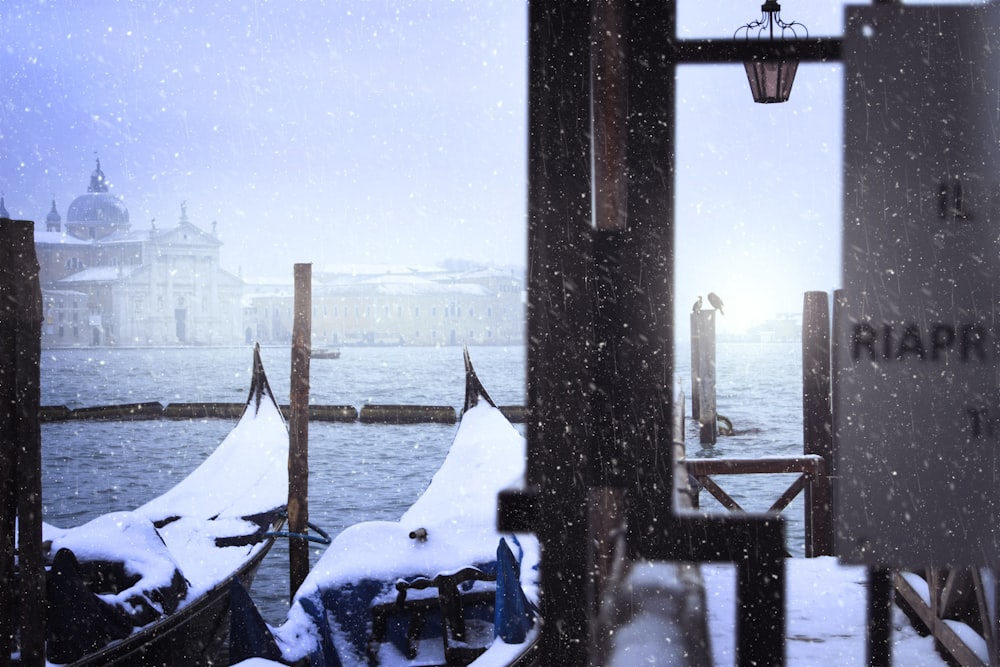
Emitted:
<point x="395" y="131"/>
<point x="316" y="132"/>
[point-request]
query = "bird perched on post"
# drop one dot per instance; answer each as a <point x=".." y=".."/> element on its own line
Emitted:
<point x="716" y="302"/>
<point x="697" y="306"/>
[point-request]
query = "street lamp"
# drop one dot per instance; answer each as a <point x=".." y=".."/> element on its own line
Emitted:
<point x="770" y="79"/>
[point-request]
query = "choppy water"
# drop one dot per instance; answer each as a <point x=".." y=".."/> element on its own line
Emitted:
<point x="759" y="388"/>
<point x="357" y="471"/>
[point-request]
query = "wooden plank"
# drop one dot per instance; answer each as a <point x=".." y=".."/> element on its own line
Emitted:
<point x="777" y="465"/>
<point x="789" y="494"/>
<point x="986" y="620"/>
<point x="719" y="494"/>
<point x="947" y="638"/>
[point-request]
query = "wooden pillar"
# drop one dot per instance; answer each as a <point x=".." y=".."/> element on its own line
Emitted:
<point x="559" y="316"/>
<point x="695" y="379"/>
<point x="833" y="468"/>
<point x="20" y="444"/>
<point x="298" y="428"/>
<point x="645" y="256"/>
<point x="606" y="503"/>
<point x="880" y="590"/>
<point x="708" y="421"/>
<point x="817" y="417"/>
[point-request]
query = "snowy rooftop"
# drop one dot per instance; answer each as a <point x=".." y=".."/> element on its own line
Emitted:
<point x="98" y="274"/>
<point x="374" y="269"/>
<point x="58" y="238"/>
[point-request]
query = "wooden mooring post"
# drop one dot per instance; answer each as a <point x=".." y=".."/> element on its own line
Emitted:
<point x="695" y="377"/>
<point x="20" y="446"/>
<point x="815" y="466"/>
<point x="703" y="375"/>
<point x="298" y="429"/>
<point x="817" y="417"/>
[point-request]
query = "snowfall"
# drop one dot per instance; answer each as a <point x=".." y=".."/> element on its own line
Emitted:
<point x="825" y="602"/>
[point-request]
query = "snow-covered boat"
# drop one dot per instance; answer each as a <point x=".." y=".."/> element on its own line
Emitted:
<point x="152" y="586"/>
<point x="324" y="353"/>
<point x="438" y="587"/>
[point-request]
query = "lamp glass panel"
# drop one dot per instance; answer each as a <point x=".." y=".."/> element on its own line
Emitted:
<point x="771" y="80"/>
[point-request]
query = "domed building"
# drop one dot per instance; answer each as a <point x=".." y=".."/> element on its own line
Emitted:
<point x="98" y="213"/>
<point x="104" y="283"/>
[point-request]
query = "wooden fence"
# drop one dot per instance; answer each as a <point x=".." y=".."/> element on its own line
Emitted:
<point x="811" y="470"/>
<point x="815" y="466"/>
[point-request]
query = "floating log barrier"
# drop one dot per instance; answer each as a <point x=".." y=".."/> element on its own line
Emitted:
<point x="407" y="414"/>
<point x="370" y="414"/>
<point x="54" y="413"/>
<point x="515" y="414"/>
<point x="203" y="410"/>
<point x="318" y="413"/>
<point x="333" y="413"/>
<point x="126" y="412"/>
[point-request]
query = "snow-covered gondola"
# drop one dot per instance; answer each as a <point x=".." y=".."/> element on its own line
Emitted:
<point x="152" y="586"/>
<point x="438" y="587"/>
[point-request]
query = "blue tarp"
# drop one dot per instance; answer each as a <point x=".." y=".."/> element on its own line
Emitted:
<point x="513" y="613"/>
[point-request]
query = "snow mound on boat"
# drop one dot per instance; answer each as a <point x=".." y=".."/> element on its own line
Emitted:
<point x="246" y="474"/>
<point x="457" y="511"/>
<point x="118" y="537"/>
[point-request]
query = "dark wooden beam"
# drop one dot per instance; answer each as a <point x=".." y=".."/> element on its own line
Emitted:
<point x="21" y="444"/>
<point x="559" y="315"/>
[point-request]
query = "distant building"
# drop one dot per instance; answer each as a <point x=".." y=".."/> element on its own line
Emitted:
<point x="394" y="305"/>
<point x="66" y="318"/>
<point x="783" y="327"/>
<point x="104" y="283"/>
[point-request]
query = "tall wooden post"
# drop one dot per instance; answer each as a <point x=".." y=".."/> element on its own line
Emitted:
<point x="20" y="444"/>
<point x="817" y="415"/>
<point x="559" y="315"/>
<point x="708" y="423"/>
<point x="607" y="500"/>
<point x="695" y="378"/>
<point x="298" y="428"/>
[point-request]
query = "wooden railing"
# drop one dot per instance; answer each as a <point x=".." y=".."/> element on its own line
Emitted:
<point x="940" y="598"/>
<point x="812" y="476"/>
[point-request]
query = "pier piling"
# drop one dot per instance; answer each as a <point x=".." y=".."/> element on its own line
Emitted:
<point x="703" y="364"/>
<point x="298" y="429"/>
<point x="817" y="416"/>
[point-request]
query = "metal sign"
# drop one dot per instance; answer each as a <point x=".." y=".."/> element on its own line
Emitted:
<point x="916" y="401"/>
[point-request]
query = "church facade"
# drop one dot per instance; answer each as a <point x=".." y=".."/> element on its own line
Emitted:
<point x="107" y="284"/>
<point x="104" y="283"/>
